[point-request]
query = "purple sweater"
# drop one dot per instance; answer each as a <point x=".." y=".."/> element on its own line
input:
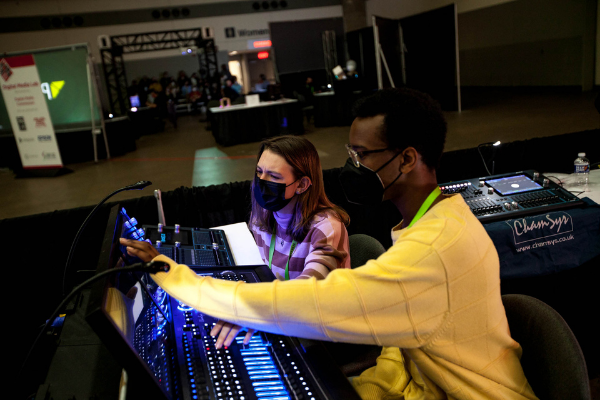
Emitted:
<point x="323" y="249"/>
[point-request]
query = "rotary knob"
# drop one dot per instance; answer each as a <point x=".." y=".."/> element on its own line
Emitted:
<point x="160" y="228"/>
<point x="158" y="244"/>
<point x="177" y="244"/>
<point x="481" y="183"/>
<point x="546" y="182"/>
<point x="176" y="228"/>
<point x="490" y="190"/>
<point x="507" y="206"/>
<point x="536" y="176"/>
<point x="515" y="205"/>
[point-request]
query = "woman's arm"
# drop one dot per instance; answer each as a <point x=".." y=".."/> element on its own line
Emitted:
<point x="329" y="249"/>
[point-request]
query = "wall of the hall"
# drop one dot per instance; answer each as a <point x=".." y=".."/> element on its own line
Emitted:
<point x="517" y="42"/>
<point x="529" y="43"/>
<point x="404" y="8"/>
<point x="259" y="21"/>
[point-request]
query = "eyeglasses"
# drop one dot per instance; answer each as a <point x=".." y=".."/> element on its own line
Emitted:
<point x="356" y="156"/>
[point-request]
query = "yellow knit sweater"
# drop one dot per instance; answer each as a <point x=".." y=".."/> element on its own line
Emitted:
<point x="435" y="294"/>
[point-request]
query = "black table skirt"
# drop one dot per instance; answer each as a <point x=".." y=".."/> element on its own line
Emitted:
<point x="247" y="125"/>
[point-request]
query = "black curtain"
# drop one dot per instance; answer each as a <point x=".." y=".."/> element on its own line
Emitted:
<point x="298" y="45"/>
<point x="431" y="64"/>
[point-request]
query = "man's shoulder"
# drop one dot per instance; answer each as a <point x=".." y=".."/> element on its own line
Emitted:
<point x="444" y="223"/>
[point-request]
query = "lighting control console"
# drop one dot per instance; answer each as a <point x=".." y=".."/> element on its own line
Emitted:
<point x="507" y="196"/>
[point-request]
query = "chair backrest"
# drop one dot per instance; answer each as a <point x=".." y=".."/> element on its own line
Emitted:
<point x="552" y="359"/>
<point x="363" y="248"/>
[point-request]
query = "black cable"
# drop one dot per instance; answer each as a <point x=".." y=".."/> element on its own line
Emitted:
<point x="152" y="267"/>
<point x="482" y="159"/>
<point x="555" y="177"/>
<point x="136" y="186"/>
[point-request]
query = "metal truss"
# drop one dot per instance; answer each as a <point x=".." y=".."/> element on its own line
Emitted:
<point x="114" y="66"/>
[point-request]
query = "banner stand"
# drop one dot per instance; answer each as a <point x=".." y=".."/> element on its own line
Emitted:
<point x="39" y="159"/>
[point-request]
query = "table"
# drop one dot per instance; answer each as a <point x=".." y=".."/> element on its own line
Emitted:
<point x="554" y="241"/>
<point x="334" y="109"/>
<point x="242" y="123"/>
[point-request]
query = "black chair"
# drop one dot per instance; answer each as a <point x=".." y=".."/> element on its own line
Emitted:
<point x="552" y="359"/>
<point x="363" y="248"/>
<point x="355" y="358"/>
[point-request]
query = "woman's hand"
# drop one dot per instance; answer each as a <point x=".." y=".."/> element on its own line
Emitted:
<point x="228" y="333"/>
<point x="143" y="250"/>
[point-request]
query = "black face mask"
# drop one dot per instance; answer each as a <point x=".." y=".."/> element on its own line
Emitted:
<point x="362" y="185"/>
<point x="271" y="195"/>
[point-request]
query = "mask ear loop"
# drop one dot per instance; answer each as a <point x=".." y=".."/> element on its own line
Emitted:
<point x="399" y="175"/>
<point x="388" y="186"/>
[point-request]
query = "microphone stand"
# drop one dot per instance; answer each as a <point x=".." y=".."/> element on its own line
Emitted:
<point x="494" y="145"/>
<point x="136" y="186"/>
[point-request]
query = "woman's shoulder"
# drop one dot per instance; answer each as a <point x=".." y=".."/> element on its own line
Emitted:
<point x="327" y="218"/>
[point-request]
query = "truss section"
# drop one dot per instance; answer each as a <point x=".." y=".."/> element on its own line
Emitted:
<point x="114" y="65"/>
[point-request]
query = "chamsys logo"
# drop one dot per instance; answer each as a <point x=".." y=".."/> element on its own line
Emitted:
<point x="52" y="89"/>
<point x="541" y="227"/>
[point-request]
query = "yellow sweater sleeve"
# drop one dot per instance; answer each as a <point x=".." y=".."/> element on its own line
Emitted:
<point x="385" y="302"/>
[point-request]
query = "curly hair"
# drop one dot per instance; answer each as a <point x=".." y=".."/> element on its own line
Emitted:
<point x="411" y="119"/>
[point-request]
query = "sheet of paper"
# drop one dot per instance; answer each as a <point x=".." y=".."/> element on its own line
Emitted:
<point x="242" y="244"/>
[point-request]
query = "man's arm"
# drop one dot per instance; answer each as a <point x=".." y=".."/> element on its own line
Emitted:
<point x="400" y="299"/>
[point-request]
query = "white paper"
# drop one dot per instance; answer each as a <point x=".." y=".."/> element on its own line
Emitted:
<point x="242" y="244"/>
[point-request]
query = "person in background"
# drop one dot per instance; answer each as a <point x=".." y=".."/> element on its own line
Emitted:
<point x="263" y="83"/>
<point x="181" y="78"/>
<point x="155" y="86"/>
<point x="172" y="91"/>
<point x="228" y="92"/>
<point x="151" y="101"/>
<point x="194" y="80"/>
<point x="165" y="79"/>
<point x="186" y="88"/>
<point x="235" y="85"/>
<point x="224" y="73"/>
<point x="432" y="300"/>
<point x="133" y="89"/>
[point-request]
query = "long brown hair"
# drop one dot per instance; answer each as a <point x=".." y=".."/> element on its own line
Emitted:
<point x="302" y="156"/>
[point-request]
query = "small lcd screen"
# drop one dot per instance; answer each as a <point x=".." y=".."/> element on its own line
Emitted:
<point x="134" y="100"/>
<point x="513" y="184"/>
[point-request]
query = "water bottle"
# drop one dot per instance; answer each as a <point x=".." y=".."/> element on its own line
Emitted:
<point x="582" y="171"/>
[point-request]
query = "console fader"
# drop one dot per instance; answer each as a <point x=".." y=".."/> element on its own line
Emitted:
<point x="507" y="196"/>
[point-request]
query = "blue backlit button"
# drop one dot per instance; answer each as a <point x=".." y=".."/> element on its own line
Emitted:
<point x="272" y="376"/>
<point x="262" y="371"/>
<point x="254" y="367"/>
<point x="271" y="394"/>
<point x="268" y="388"/>
<point x="269" y="383"/>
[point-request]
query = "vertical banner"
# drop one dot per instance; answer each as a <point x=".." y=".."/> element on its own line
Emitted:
<point x="28" y="113"/>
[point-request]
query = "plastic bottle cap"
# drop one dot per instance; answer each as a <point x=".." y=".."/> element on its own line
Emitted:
<point x="581" y="155"/>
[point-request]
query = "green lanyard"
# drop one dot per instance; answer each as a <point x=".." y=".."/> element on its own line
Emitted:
<point x="272" y="250"/>
<point x="425" y="206"/>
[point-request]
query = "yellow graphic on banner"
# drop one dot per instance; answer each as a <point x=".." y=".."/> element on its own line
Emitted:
<point x="56" y="87"/>
<point x="53" y="89"/>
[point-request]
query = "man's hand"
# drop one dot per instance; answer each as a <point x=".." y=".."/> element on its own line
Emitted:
<point x="228" y="333"/>
<point x="143" y="250"/>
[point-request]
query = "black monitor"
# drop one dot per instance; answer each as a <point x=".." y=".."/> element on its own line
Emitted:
<point x="117" y="306"/>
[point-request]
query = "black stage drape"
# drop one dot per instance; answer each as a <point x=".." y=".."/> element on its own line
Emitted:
<point x="40" y="243"/>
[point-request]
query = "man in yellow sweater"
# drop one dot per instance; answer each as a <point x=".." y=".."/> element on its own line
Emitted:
<point x="432" y="300"/>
